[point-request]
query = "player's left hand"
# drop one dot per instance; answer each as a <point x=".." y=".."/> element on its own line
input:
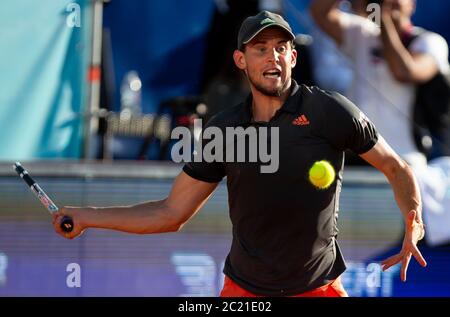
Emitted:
<point x="414" y="231"/>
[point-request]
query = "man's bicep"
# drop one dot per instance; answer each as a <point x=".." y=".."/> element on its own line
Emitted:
<point x="381" y="156"/>
<point x="188" y="195"/>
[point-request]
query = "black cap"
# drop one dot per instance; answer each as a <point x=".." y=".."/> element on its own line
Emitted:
<point x="255" y="24"/>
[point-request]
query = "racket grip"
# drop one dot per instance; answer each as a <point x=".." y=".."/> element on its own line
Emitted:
<point x="66" y="224"/>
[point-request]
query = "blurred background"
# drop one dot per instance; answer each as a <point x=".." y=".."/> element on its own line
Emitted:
<point x="90" y="92"/>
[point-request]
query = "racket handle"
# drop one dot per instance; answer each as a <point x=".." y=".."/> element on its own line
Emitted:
<point x="66" y="224"/>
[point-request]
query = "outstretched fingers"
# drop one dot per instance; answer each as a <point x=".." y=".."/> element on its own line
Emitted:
<point x="404" y="269"/>
<point x="418" y="256"/>
<point x="393" y="260"/>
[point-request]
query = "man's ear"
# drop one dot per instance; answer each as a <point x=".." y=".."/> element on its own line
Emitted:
<point x="239" y="60"/>
<point x="293" y="58"/>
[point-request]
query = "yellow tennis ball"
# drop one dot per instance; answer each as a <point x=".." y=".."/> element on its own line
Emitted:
<point x="322" y="174"/>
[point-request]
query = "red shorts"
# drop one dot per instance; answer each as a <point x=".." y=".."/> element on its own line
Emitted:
<point x="333" y="289"/>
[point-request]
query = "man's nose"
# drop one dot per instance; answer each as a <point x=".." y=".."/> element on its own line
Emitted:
<point x="274" y="56"/>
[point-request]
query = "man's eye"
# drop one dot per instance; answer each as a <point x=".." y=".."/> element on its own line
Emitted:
<point x="282" y="49"/>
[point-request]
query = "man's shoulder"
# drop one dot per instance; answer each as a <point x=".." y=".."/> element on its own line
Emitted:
<point x="427" y="42"/>
<point x="430" y="37"/>
<point x="310" y="90"/>
<point x="315" y="94"/>
<point x="229" y="117"/>
<point x="324" y="102"/>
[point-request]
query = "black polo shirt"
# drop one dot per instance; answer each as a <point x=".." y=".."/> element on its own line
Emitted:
<point x="285" y="229"/>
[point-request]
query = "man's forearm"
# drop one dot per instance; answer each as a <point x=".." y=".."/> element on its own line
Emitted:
<point x="323" y="7"/>
<point x="396" y="54"/>
<point x="406" y="190"/>
<point x="143" y="218"/>
<point x="329" y="18"/>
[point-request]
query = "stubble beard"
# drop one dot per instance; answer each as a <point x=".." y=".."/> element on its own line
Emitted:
<point x="274" y="92"/>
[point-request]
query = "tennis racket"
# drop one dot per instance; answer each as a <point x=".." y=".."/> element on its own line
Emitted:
<point x="67" y="222"/>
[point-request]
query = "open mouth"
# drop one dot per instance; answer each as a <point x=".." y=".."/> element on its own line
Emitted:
<point x="273" y="74"/>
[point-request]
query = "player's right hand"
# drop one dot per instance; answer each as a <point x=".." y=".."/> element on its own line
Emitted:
<point x="78" y="224"/>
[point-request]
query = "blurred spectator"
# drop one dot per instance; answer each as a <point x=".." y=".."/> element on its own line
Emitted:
<point x="391" y="61"/>
<point x="359" y="7"/>
<point x="223" y="85"/>
<point x="387" y="69"/>
<point x="326" y="56"/>
<point x="303" y="71"/>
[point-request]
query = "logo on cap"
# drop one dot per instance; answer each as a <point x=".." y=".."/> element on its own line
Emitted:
<point x="268" y="20"/>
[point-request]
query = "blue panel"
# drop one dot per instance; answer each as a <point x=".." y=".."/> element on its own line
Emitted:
<point x="43" y="62"/>
<point x="164" y="41"/>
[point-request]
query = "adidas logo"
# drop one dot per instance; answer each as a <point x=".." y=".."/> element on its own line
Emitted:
<point x="267" y="20"/>
<point x="301" y="121"/>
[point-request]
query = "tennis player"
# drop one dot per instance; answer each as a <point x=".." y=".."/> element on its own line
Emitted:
<point x="284" y="229"/>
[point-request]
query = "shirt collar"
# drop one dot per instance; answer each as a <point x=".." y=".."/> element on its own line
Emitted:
<point x="290" y="105"/>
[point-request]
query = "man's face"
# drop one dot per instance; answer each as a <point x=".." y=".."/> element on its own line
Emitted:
<point x="268" y="61"/>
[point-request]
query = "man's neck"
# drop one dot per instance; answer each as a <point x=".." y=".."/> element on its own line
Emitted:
<point x="264" y="107"/>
